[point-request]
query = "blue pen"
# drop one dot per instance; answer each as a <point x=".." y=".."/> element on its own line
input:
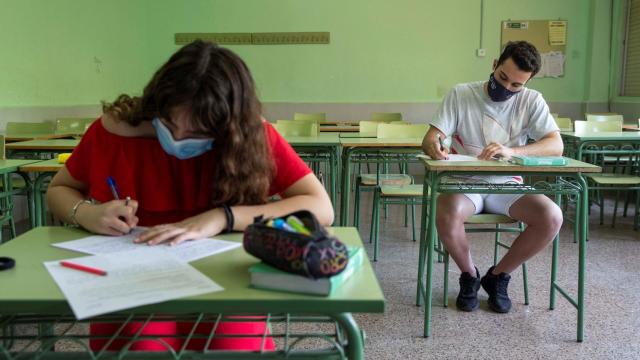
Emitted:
<point x="116" y="196"/>
<point x="280" y="224"/>
<point x="114" y="188"/>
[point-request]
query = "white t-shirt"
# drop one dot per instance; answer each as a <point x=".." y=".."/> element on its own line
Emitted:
<point x="473" y="120"/>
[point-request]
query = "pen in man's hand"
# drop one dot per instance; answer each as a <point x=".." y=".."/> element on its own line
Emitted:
<point x="441" y="142"/>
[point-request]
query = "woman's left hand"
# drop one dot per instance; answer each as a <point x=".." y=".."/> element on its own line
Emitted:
<point x="207" y="224"/>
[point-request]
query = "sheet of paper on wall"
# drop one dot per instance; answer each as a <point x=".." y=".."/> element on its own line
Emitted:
<point x="553" y="63"/>
<point x="133" y="279"/>
<point x="557" y="33"/>
<point x="187" y="251"/>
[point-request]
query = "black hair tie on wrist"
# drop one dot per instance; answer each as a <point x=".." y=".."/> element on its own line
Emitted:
<point x="6" y="263"/>
<point x="229" y="215"/>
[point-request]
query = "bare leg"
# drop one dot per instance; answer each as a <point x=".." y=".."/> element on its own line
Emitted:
<point x="453" y="211"/>
<point x="543" y="218"/>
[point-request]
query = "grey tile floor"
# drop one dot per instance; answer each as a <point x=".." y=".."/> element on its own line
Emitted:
<point x="612" y="321"/>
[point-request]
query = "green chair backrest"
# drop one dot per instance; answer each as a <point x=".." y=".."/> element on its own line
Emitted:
<point x="400" y="131"/>
<point x="20" y="128"/>
<point x="605" y="117"/>
<point x="310" y="116"/>
<point x="369" y="126"/>
<point x="386" y="117"/>
<point x="555" y="115"/>
<point x="564" y="124"/>
<point x="597" y="126"/>
<point x="398" y="122"/>
<point x="73" y="125"/>
<point x="296" y="128"/>
<point x="2" y="149"/>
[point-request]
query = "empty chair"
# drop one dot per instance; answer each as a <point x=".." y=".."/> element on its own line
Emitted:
<point x="369" y="127"/>
<point x="73" y="125"/>
<point x="310" y="116"/>
<point x="564" y="124"/>
<point x="296" y="128"/>
<point x="604" y="117"/>
<point x="389" y="131"/>
<point x="386" y="117"/>
<point x="597" y="126"/>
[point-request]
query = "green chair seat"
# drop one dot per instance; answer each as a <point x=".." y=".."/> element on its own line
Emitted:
<point x="615" y="179"/>
<point x="490" y="219"/>
<point x="17" y="183"/>
<point x="385" y="179"/>
<point x="410" y="190"/>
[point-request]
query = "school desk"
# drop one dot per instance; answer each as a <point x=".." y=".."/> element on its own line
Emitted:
<point x="40" y="148"/>
<point x="8" y="167"/>
<point x="317" y="149"/>
<point x="569" y="181"/>
<point x="376" y="150"/>
<point x="30" y="297"/>
<point x="339" y="128"/>
<point x="578" y="144"/>
<point x="43" y="171"/>
<point x="26" y="137"/>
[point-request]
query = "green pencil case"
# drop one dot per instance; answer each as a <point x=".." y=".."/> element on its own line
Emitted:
<point x="539" y="160"/>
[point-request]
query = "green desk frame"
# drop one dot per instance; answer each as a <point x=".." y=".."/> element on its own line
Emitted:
<point x="351" y="147"/>
<point x="436" y="171"/>
<point x="35" y="299"/>
<point x="322" y="148"/>
<point x="44" y="171"/>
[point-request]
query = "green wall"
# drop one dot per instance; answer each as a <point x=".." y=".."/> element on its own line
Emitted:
<point x="66" y="52"/>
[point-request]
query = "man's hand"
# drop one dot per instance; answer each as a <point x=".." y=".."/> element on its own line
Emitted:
<point x="432" y="146"/>
<point x="495" y="150"/>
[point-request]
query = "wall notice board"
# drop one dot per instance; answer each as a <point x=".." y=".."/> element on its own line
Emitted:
<point x="548" y="36"/>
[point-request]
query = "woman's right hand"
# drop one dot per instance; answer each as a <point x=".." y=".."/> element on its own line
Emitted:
<point x="111" y="218"/>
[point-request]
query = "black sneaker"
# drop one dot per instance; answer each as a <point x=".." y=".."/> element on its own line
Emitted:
<point x="468" y="297"/>
<point x="496" y="287"/>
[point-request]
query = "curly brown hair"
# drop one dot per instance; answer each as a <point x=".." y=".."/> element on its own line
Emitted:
<point x="216" y="87"/>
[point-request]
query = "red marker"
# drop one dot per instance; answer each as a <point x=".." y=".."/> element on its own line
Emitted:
<point x="83" y="268"/>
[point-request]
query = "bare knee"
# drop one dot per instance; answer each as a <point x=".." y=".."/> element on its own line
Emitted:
<point x="451" y="214"/>
<point x="548" y="218"/>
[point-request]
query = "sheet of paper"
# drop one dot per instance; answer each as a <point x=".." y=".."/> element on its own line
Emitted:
<point x="453" y="157"/>
<point x="134" y="278"/>
<point x="554" y="64"/>
<point x="187" y="251"/>
<point x="557" y="33"/>
<point x="459" y="157"/>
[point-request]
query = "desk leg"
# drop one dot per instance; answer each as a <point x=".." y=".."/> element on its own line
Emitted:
<point x="346" y="175"/>
<point x="584" y="203"/>
<point x="355" y="337"/>
<point x="333" y="160"/>
<point x="423" y="237"/>
<point x="430" y="240"/>
<point x="40" y="214"/>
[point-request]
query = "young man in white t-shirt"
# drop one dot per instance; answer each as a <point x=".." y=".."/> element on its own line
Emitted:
<point x="492" y="119"/>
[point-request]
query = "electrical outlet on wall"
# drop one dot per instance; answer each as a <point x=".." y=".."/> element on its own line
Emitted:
<point x="481" y="52"/>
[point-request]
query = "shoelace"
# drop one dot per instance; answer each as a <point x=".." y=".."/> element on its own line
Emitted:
<point x="501" y="287"/>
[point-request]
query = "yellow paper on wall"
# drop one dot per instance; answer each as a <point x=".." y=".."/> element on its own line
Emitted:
<point x="557" y="33"/>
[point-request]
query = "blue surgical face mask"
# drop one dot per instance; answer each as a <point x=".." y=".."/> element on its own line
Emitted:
<point x="182" y="149"/>
<point x="497" y="92"/>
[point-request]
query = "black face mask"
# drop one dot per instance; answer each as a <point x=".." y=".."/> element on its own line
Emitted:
<point x="497" y="92"/>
